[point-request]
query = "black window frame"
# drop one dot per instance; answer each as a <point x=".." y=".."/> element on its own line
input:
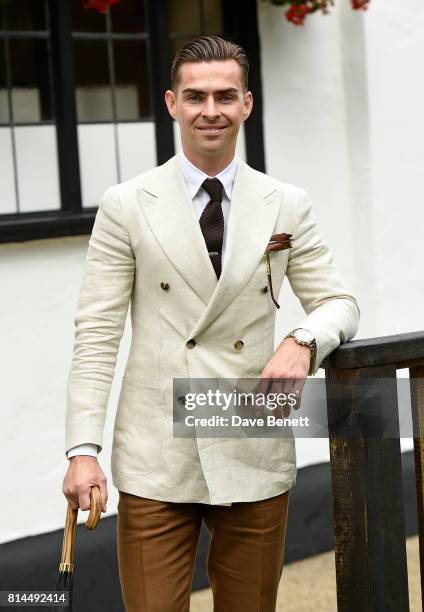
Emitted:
<point x="240" y="24"/>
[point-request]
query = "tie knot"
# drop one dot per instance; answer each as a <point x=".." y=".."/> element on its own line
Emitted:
<point x="213" y="188"/>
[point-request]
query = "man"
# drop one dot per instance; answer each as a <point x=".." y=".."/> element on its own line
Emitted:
<point x="188" y="243"/>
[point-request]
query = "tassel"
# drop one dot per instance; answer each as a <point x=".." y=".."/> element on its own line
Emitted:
<point x="268" y="266"/>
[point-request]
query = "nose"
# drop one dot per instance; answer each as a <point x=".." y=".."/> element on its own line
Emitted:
<point x="210" y="109"/>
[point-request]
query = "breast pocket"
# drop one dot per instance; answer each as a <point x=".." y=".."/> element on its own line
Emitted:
<point x="258" y="287"/>
<point x="139" y="428"/>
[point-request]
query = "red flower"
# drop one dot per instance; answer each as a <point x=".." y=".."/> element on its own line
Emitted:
<point x="360" y="5"/>
<point x="99" y="5"/>
<point x="299" y="9"/>
<point x="297" y="12"/>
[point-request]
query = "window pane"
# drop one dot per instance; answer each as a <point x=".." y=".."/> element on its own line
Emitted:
<point x="31" y="92"/>
<point x="128" y="16"/>
<point x="137" y="148"/>
<point x="37" y="170"/>
<point x="87" y="20"/>
<point x="4" y="106"/>
<point x="27" y="15"/>
<point x="132" y="81"/>
<point x="212" y="12"/>
<point x="7" y="176"/>
<point x="97" y="157"/>
<point x="184" y="16"/>
<point x="93" y="91"/>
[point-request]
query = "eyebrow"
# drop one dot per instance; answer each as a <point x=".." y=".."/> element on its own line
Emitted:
<point x="220" y="91"/>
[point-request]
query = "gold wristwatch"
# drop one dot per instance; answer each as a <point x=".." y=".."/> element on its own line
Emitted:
<point x="305" y="338"/>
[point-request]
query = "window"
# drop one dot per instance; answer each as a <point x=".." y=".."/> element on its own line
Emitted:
<point x="110" y="55"/>
<point x="26" y="109"/>
<point x="190" y="18"/>
<point x="81" y="101"/>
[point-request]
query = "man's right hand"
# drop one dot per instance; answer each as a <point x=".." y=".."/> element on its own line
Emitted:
<point x="83" y="473"/>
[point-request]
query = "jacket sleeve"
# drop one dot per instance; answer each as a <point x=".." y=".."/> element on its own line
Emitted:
<point x="331" y="309"/>
<point x="99" y="323"/>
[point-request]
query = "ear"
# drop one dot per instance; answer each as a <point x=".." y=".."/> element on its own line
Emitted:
<point x="170" y="103"/>
<point x="248" y="104"/>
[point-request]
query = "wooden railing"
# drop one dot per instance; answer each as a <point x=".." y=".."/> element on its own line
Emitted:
<point x="368" y="511"/>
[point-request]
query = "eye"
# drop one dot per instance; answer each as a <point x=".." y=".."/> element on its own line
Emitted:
<point x="226" y="98"/>
<point x="193" y="97"/>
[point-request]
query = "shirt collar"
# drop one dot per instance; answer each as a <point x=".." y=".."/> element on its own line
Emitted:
<point x="195" y="177"/>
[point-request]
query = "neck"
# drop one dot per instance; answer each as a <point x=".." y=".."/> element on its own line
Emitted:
<point x="210" y="165"/>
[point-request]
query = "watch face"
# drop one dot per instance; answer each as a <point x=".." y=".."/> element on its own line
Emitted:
<point x="304" y="335"/>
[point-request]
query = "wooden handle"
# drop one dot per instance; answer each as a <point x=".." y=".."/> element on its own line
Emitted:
<point x="68" y="546"/>
<point x="95" y="508"/>
<point x="67" y="559"/>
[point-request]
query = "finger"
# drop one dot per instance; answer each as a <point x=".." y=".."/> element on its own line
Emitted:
<point x="103" y="491"/>
<point x="298" y="390"/>
<point x="286" y="386"/>
<point x="260" y="395"/>
<point x="276" y="389"/>
<point x="260" y="386"/>
<point x="288" y="390"/>
<point x="84" y="499"/>
<point x="282" y="386"/>
<point x="71" y="498"/>
<point x="73" y="502"/>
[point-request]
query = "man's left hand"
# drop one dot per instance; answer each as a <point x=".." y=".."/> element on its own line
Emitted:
<point x="290" y="362"/>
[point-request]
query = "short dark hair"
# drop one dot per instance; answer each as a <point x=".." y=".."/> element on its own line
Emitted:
<point x="208" y="49"/>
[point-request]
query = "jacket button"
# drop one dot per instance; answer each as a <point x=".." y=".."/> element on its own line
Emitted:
<point x="182" y="399"/>
<point x="165" y="286"/>
<point x="191" y="343"/>
<point x="238" y="345"/>
<point x="264" y="289"/>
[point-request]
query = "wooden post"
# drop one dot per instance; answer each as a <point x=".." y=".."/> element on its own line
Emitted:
<point x="369" y="530"/>
<point x="416" y="376"/>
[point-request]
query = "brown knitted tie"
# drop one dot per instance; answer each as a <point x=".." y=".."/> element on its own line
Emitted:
<point x="212" y="222"/>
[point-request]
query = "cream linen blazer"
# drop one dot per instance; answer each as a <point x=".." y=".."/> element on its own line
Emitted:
<point x="146" y="235"/>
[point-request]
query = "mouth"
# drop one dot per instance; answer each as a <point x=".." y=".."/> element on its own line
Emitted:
<point x="212" y="130"/>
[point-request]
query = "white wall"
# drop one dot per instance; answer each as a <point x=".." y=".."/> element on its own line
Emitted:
<point x="343" y="120"/>
<point x="42" y="278"/>
<point x="394" y="37"/>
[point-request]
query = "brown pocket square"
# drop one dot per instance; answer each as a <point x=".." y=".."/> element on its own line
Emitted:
<point x="278" y="242"/>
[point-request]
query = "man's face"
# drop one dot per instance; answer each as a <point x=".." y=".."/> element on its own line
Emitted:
<point x="209" y="104"/>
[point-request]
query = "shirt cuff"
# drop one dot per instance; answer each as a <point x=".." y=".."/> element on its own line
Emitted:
<point x="83" y="449"/>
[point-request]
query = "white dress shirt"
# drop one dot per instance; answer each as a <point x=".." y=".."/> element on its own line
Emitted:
<point x="194" y="178"/>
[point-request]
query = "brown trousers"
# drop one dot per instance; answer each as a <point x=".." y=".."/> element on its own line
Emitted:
<point x="157" y="544"/>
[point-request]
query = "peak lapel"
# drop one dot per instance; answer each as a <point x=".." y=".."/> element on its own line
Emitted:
<point x="168" y="209"/>
<point x="255" y="203"/>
